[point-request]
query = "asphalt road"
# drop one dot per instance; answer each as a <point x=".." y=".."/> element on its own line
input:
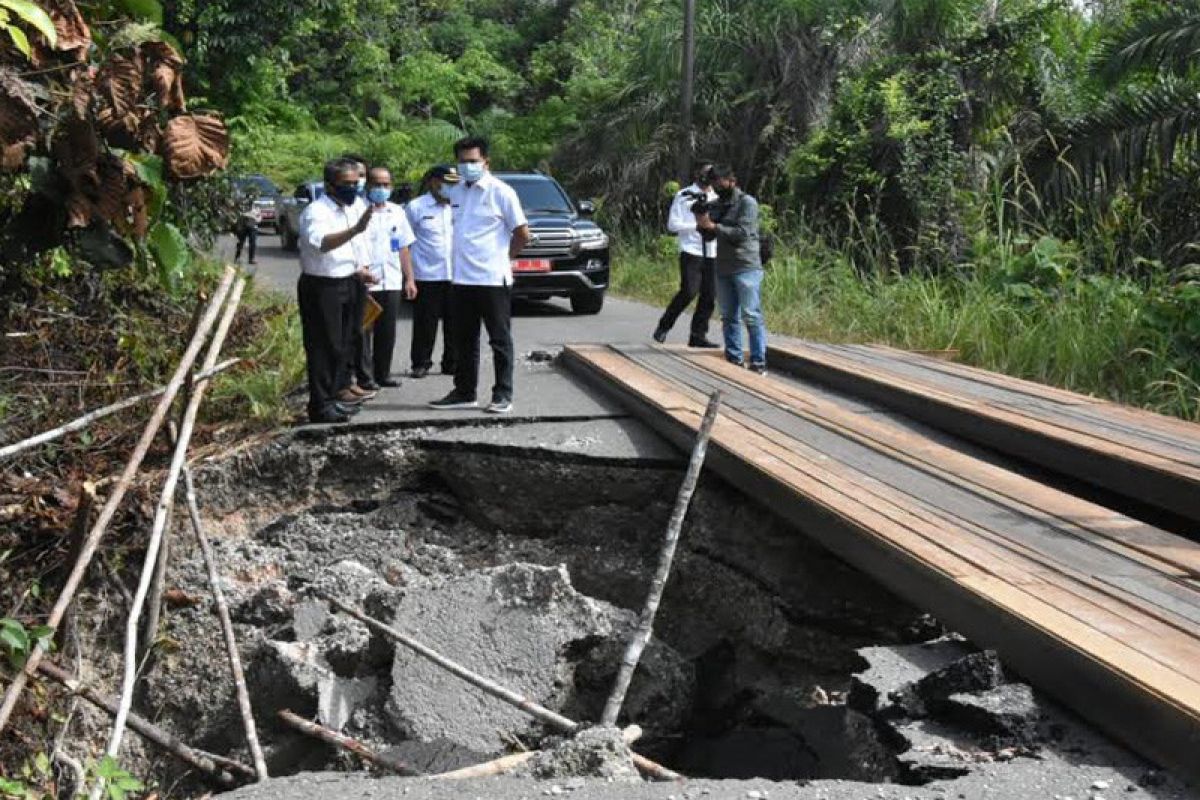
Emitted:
<point x="542" y="390"/>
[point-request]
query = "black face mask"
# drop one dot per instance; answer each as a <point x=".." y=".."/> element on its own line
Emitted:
<point x="724" y="192"/>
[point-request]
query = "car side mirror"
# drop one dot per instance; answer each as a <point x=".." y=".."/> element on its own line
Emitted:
<point x="586" y="208"/>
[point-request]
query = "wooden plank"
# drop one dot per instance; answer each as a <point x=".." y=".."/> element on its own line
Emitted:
<point x="1087" y="664"/>
<point x="1086" y="521"/>
<point x="1075" y="560"/>
<point x="1151" y="480"/>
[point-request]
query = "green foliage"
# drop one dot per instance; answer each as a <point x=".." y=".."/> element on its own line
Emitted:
<point x="29" y="13"/>
<point x="117" y="782"/>
<point x="17" y="641"/>
<point x="171" y="253"/>
<point x="27" y="782"/>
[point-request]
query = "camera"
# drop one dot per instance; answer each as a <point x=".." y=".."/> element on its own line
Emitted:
<point x="700" y="203"/>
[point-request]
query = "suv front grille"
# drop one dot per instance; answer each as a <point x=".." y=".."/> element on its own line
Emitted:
<point x="550" y="242"/>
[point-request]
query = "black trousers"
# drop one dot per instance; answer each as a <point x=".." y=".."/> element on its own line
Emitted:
<point x="432" y="306"/>
<point x="697" y="276"/>
<point x="360" y="358"/>
<point x="491" y="306"/>
<point x="326" y="321"/>
<point x="379" y="341"/>
<point x="243" y="234"/>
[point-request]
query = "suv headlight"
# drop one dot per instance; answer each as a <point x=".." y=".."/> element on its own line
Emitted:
<point x="592" y="239"/>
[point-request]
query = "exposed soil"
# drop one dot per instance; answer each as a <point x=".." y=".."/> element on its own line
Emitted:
<point x="772" y="659"/>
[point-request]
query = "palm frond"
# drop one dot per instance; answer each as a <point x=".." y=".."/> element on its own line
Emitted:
<point x="1168" y="41"/>
<point x="1131" y="135"/>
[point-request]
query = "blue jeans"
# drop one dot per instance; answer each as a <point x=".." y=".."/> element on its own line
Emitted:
<point x="740" y="297"/>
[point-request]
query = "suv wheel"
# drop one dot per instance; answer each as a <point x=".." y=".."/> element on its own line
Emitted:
<point x="289" y="240"/>
<point x="587" y="302"/>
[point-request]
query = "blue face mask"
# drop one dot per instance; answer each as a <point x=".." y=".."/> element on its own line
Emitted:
<point x="471" y="171"/>
<point x="345" y="194"/>
<point x="378" y="195"/>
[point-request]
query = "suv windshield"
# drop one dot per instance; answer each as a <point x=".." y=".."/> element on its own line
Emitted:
<point x="539" y="195"/>
<point x="259" y="183"/>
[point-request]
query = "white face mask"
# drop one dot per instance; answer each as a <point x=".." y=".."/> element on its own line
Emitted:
<point x="471" y="171"/>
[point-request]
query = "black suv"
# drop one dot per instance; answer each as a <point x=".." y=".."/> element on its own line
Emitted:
<point x="568" y="256"/>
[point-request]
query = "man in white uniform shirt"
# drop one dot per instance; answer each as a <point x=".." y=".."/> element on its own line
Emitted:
<point x="333" y="261"/>
<point x="490" y="229"/>
<point x="431" y="218"/>
<point x="697" y="270"/>
<point x="389" y="238"/>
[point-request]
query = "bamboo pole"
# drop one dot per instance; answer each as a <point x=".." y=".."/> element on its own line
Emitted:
<point x="231" y="649"/>
<point x="345" y="742"/>
<point x="641" y="635"/>
<point x="218" y="767"/>
<point x="539" y="712"/>
<point x="87" y="419"/>
<point x="13" y="692"/>
<point x="166" y="501"/>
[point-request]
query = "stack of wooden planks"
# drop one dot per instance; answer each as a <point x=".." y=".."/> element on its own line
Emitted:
<point x="1147" y="458"/>
<point x="1101" y="610"/>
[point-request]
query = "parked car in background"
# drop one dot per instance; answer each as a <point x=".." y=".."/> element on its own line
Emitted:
<point x="569" y="253"/>
<point x="265" y="192"/>
<point x="288" y="210"/>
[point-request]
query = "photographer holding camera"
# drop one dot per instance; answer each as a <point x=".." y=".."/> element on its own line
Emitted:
<point x="696" y="275"/>
<point x="733" y="223"/>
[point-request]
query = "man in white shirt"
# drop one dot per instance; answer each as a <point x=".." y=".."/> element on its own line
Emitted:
<point x="431" y="218"/>
<point x="333" y="262"/>
<point x="490" y="229"/>
<point x="388" y="240"/>
<point x="697" y="271"/>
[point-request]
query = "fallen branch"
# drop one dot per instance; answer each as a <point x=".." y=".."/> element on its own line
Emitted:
<point x="217" y="767"/>
<point x="162" y="513"/>
<point x="231" y="649"/>
<point x="508" y="763"/>
<point x="346" y="743"/>
<point x="498" y="766"/>
<point x="533" y="709"/>
<point x="87" y="419"/>
<point x="645" y="627"/>
<point x="13" y="693"/>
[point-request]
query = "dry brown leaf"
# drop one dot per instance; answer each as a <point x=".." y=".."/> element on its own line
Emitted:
<point x="164" y="65"/>
<point x="111" y="198"/>
<point x="139" y="213"/>
<point x="195" y="146"/>
<point x="74" y="36"/>
<point x="18" y="120"/>
<point x="119" y="91"/>
<point x="179" y="598"/>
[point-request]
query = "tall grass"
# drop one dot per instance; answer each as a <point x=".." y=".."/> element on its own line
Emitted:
<point x="1107" y="336"/>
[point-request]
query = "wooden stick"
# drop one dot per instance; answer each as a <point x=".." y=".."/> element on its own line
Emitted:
<point x="346" y="743"/>
<point x="13" y="693"/>
<point x="165" y="502"/>
<point x="497" y="766"/>
<point x="87" y="419"/>
<point x="157" y="585"/>
<point x="231" y="648"/>
<point x="641" y="635"/>
<point x="218" y="767"/>
<point x="508" y="763"/>
<point x="539" y="712"/>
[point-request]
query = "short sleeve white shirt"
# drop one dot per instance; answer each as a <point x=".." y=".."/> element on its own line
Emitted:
<point x="487" y="214"/>
<point x="386" y="235"/>
<point x="433" y="225"/>
<point x="322" y="217"/>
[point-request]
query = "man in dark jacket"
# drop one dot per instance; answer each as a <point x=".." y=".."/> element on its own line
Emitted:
<point x="734" y="224"/>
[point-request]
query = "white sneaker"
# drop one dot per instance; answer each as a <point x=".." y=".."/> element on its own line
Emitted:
<point x="499" y="407"/>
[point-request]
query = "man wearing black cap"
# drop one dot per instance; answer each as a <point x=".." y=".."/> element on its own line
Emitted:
<point x="431" y="218"/>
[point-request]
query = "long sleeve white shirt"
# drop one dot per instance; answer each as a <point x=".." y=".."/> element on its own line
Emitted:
<point x="322" y="217"/>
<point x="386" y="235"/>
<point x="433" y="225"/>
<point x="682" y="222"/>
